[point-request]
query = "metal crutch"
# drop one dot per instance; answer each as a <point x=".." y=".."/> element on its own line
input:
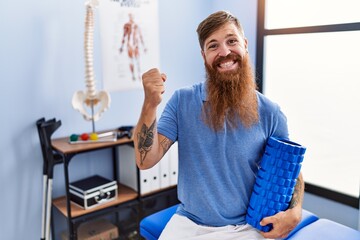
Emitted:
<point x="46" y="129"/>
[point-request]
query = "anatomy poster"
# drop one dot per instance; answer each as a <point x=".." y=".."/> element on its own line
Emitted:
<point x="129" y="35"/>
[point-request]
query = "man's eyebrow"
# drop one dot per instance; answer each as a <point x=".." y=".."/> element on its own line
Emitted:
<point x="211" y="41"/>
<point x="230" y="35"/>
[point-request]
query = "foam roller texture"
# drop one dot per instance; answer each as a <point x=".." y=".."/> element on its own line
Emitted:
<point x="275" y="182"/>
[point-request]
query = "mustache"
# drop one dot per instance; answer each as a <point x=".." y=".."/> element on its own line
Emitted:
<point x="231" y="56"/>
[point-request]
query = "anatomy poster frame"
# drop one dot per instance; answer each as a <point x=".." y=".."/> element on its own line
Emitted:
<point x="129" y="35"/>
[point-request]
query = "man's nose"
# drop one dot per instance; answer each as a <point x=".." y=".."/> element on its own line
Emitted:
<point x="224" y="51"/>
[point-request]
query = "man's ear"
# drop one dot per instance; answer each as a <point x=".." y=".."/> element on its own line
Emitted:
<point x="203" y="54"/>
<point x="246" y="43"/>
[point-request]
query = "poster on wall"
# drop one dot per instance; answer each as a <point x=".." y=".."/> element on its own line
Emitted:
<point x="129" y="36"/>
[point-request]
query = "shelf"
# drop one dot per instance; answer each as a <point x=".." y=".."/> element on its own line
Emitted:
<point x="124" y="194"/>
<point x="62" y="145"/>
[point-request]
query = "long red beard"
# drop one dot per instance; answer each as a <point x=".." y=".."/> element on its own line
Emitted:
<point x="231" y="96"/>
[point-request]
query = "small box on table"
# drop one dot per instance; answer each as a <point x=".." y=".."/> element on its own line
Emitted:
<point x="95" y="230"/>
<point x="93" y="191"/>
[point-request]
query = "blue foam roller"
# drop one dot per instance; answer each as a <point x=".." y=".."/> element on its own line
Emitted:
<point x="275" y="182"/>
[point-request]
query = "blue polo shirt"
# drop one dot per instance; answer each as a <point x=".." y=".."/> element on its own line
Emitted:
<point x="216" y="169"/>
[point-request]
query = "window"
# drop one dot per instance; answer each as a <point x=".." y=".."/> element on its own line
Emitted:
<point x="308" y="62"/>
<point x="301" y="13"/>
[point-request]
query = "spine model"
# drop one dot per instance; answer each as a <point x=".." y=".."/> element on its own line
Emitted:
<point x="91" y="98"/>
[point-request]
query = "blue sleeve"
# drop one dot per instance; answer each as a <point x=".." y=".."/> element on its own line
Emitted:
<point x="273" y="120"/>
<point x="168" y="122"/>
<point x="280" y="129"/>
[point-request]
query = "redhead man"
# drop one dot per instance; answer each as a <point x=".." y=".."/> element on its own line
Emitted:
<point x="221" y="126"/>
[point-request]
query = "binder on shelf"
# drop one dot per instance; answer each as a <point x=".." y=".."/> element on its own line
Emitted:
<point x="155" y="178"/>
<point x="174" y="164"/>
<point x="145" y="181"/>
<point x="127" y="172"/>
<point x="149" y="179"/>
<point x="165" y="171"/>
<point x="164" y="174"/>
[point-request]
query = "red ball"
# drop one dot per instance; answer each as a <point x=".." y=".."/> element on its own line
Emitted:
<point x="84" y="136"/>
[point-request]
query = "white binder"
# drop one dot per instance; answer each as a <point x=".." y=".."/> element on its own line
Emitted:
<point x="165" y="171"/>
<point x="164" y="174"/>
<point x="154" y="178"/>
<point x="174" y="164"/>
<point x="127" y="172"/>
<point x="145" y="181"/>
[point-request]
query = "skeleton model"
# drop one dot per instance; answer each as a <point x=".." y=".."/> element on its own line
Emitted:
<point x="82" y="101"/>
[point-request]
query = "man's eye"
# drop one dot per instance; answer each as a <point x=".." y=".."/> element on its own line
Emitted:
<point x="232" y="41"/>
<point x="212" y="46"/>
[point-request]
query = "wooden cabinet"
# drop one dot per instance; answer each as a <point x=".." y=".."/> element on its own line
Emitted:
<point x="128" y="198"/>
<point x="61" y="151"/>
<point x="74" y="214"/>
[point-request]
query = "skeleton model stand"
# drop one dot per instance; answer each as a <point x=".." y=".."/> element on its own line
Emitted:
<point x="97" y="102"/>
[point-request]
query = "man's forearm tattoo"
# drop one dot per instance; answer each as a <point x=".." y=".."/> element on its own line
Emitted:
<point x="145" y="140"/>
<point x="296" y="198"/>
<point x="166" y="144"/>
